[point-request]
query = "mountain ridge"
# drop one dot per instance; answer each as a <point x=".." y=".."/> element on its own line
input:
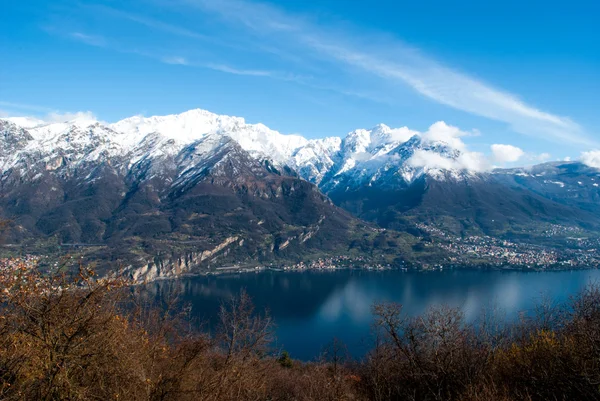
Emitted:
<point x="166" y="208"/>
<point x="199" y="189"/>
<point x="314" y="158"/>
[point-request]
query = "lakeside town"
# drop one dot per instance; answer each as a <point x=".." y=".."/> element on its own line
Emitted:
<point x="325" y="263"/>
<point x="338" y="262"/>
<point x="579" y="252"/>
<point x="469" y="251"/>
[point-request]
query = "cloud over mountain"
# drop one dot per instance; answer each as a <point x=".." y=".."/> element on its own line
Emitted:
<point x="591" y="158"/>
<point x="506" y="153"/>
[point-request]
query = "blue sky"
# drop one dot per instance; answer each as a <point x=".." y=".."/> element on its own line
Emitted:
<point x="520" y="73"/>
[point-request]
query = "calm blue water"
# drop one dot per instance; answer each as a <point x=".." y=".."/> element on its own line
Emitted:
<point x="311" y="308"/>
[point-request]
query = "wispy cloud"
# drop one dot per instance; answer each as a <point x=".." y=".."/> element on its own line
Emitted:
<point x="177" y="60"/>
<point x="174" y="60"/>
<point x="327" y="57"/>
<point x="394" y="62"/>
<point x="92" y="40"/>
<point x="239" y="44"/>
<point x="149" y="22"/>
<point x="29" y="114"/>
<point x="25" y="107"/>
<point x="98" y="41"/>
<point x="236" y="71"/>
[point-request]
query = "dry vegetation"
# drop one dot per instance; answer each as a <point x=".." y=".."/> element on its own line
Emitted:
<point x="78" y="338"/>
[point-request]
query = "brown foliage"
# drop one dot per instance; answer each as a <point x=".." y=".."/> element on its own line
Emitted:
<point x="553" y="355"/>
<point x="79" y="338"/>
<point x="559" y="361"/>
<point x="431" y="357"/>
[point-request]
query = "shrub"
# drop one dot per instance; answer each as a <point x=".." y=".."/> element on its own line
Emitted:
<point x="78" y="337"/>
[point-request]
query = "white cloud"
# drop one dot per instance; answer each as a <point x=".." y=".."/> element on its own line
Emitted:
<point x="31" y="115"/>
<point x="449" y="135"/>
<point x="402" y="134"/>
<point x="468" y="161"/>
<point x="506" y="153"/>
<point x="544" y="157"/>
<point x="473" y="161"/>
<point x="56" y="117"/>
<point x="591" y="158"/>
<point x="440" y="131"/>
<point x="393" y="62"/>
<point x="428" y="159"/>
<point x="567" y="159"/>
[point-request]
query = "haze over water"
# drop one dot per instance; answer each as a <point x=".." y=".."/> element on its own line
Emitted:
<point x="311" y="308"/>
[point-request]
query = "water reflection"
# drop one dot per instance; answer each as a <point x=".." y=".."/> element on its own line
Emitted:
<point x="311" y="308"/>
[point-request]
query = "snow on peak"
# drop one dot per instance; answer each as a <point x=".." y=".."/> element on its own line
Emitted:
<point x="368" y="145"/>
<point x="193" y="125"/>
<point x="382" y="134"/>
<point x="26" y="122"/>
<point x="316" y="158"/>
<point x="80" y="118"/>
<point x="441" y="149"/>
<point x="183" y="128"/>
<point x="367" y="140"/>
<point x="365" y="154"/>
<point x="383" y="155"/>
<point x="136" y="138"/>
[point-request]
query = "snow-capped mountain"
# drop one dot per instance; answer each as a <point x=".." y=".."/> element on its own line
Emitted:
<point x="572" y="183"/>
<point x="316" y="158"/>
<point x="197" y="189"/>
<point x="361" y="156"/>
<point x="378" y="173"/>
<point x="390" y="162"/>
<point x="170" y="193"/>
<point x="185" y="128"/>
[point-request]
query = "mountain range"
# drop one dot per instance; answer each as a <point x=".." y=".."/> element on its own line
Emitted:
<point x="176" y="193"/>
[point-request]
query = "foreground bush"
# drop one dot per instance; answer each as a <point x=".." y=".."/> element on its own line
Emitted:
<point x="78" y="338"/>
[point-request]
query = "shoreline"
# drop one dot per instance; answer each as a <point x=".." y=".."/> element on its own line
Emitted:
<point x="249" y="271"/>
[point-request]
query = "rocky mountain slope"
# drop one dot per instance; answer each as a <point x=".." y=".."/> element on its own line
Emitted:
<point x="198" y="189"/>
<point x="169" y="204"/>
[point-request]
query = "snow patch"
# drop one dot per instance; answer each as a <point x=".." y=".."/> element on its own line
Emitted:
<point x="560" y="184"/>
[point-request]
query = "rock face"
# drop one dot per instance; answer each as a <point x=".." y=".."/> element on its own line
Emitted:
<point x="178" y="266"/>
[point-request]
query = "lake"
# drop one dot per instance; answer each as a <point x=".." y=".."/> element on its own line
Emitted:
<point x="310" y="308"/>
